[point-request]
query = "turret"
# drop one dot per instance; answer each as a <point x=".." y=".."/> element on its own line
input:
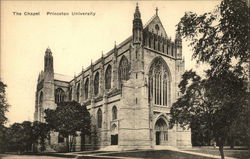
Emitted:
<point x="48" y="61"/>
<point x="137" y="27"/>
<point x="178" y="44"/>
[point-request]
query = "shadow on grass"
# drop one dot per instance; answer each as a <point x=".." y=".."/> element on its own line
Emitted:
<point x="53" y="154"/>
<point x="155" y="154"/>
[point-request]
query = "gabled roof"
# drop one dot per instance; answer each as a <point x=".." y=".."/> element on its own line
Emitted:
<point x="61" y="77"/>
<point x="151" y="25"/>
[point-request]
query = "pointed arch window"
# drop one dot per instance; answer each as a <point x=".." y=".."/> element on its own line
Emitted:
<point x="59" y="95"/>
<point x="86" y="89"/>
<point x="123" y="70"/>
<point x="78" y="92"/>
<point x="114" y="113"/>
<point x="149" y="41"/>
<point x="159" y="83"/>
<point x="99" y="118"/>
<point x="70" y="94"/>
<point x="41" y="99"/>
<point x="40" y="107"/>
<point x="172" y="50"/>
<point x="96" y="83"/>
<point x="108" y="77"/>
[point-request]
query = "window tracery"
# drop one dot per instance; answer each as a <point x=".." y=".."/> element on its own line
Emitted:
<point x="158" y="83"/>
<point x="59" y="95"/>
<point x="123" y="70"/>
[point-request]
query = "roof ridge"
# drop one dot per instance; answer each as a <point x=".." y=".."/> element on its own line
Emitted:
<point x="149" y="21"/>
<point x="63" y="74"/>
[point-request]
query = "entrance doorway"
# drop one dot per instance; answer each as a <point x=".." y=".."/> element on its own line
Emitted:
<point x="114" y="135"/>
<point x="114" y="139"/>
<point x="161" y="132"/>
<point x="157" y="137"/>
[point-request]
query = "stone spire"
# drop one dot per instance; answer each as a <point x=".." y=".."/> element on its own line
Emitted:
<point x="137" y="14"/>
<point x="137" y="26"/>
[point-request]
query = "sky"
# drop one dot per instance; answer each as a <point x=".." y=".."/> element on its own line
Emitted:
<point x="73" y="40"/>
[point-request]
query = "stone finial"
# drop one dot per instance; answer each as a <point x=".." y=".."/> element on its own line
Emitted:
<point x="137" y="14"/>
<point x="156" y="10"/>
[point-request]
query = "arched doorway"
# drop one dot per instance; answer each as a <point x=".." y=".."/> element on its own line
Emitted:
<point x="114" y="135"/>
<point x="161" y="132"/>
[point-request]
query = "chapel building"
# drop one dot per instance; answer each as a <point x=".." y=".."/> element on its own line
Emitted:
<point x="128" y="91"/>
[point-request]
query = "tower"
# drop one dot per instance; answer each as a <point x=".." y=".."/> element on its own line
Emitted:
<point x="134" y="131"/>
<point x="45" y="97"/>
<point x="48" y="86"/>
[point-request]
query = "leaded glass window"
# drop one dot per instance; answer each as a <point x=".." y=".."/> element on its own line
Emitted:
<point x="123" y="69"/>
<point x="159" y="82"/>
<point x="86" y="89"/>
<point x="59" y="95"/>
<point x="114" y="113"/>
<point x="108" y="74"/>
<point x="96" y="83"/>
<point x="78" y="93"/>
<point x="99" y="118"/>
<point x="70" y="94"/>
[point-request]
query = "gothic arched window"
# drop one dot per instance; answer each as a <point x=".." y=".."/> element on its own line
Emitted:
<point x="123" y="70"/>
<point x="70" y="94"/>
<point x="59" y="95"/>
<point x="99" y="118"/>
<point x="78" y="92"/>
<point x="163" y="45"/>
<point x="114" y="113"/>
<point x="96" y="83"/>
<point x="159" y="44"/>
<point x="86" y="88"/>
<point x="172" y="50"/>
<point x="41" y="99"/>
<point x="108" y="77"/>
<point x="155" y="41"/>
<point x="159" y="82"/>
<point x="40" y="104"/>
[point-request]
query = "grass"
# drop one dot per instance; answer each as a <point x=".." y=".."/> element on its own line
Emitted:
<point x="157" y="154"/>
<point x="53" y="154"/>
<point x="237" y="153"/>
<point x="154" y="154"/>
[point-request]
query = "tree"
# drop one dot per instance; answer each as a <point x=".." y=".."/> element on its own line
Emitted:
<point x="3" y="103"/>
<point x="218" y="38"/>
<point x="20" y="137"/>
<point x="40" y="132"/>
<point x="210" y="105"/>
<point x="67" y="119"/>
<point x="3" y="138"/>
<point x="3" y="109"/>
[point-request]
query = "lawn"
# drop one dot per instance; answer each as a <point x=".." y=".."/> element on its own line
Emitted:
<point x="237" y="153"/>
<point x="156" y="154"/>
